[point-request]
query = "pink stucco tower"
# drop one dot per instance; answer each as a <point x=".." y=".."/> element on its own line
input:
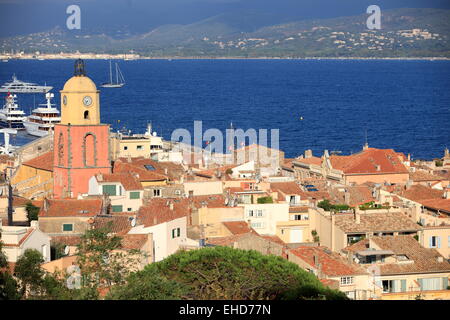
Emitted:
<point x="81" y="142"/>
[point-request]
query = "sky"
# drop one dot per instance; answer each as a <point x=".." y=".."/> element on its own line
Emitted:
<point x="139" y="16"/>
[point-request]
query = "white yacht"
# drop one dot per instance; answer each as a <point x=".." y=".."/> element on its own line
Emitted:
<point x="43" y="118"/>
<point x="18" y="86"/>
<point x="11" y="116"/>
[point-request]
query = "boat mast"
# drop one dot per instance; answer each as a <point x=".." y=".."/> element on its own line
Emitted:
<point x="117" y="74"/>
<point x="110" y="72"/>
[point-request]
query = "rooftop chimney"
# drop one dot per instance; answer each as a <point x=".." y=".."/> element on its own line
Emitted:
<point x="191" y="194"/>
<point x="308" y="153"/>
<point x="171" y="205"/>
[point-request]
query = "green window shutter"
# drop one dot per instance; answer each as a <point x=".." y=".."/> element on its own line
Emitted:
<point x="135" y="195"/>
<point x="403" y="282"/>
<point x="117" y="208"/>
<point x="109" y="190"/>
<point x="67" y="227"/>
<point x="173" y="233"/>
<point x="439" y="242"/>
<point x="178" y="232"/>
<point x="444" y="283"/>
<point x="420" y="283"/>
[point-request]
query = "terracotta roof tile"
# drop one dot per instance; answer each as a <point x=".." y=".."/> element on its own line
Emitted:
<point x="421" y="175"/>
<point x="43" y="162"/>
<point x="375" y="222"/>
<point x="133" y="241"/>
<point x="332" y="264"/>
<point x="237" y="227"/>
<point x="72" y="208"/>
<point x="424" y="260"/>
<point x="437" y="204"/>
<point x="367" y="161"/>
<point x="128" y="180"/>
<point x="138" y="165"/>
<point x="419" y="192"/>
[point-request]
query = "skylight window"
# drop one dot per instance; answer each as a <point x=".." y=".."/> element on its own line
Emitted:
<point x="149" y="167"/>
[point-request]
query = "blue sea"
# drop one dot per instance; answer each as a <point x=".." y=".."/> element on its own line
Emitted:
<point x="404" y="105"/>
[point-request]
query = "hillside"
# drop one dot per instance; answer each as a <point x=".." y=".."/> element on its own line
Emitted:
<point x="404" y="32"/>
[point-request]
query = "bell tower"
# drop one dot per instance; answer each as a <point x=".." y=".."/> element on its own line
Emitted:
<point x="81" y="142"/>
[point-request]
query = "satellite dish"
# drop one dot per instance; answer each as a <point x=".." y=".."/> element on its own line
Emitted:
<point x="133" y="222"/>
<point x="66" y="250"/>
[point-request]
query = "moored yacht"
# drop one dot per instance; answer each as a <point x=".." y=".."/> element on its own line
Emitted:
<point x="43" y="118"/>
<point x="18" y="86"/>
<point x="11" y="116"/>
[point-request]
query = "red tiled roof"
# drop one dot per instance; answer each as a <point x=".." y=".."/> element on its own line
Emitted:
<point x="421" y="175"/>
<point x="437" y="204"/>
<point x="66" y="240"/>
<point x="423" y="259"/>
<point x="72" y="208"/>
<point x="119" y="224"/>
<point x="128" y="180"/>
<point x="419" y="192"/>
<point x="137" y="165"/>
<point x="18" y="201"/>
<point x="288" y="188"/>
<point x="312" y="160"/>
<point x="133" y="241"/>
<point x="332" y="264"/>
<point x="43" y="162"/>
<point x="237" y="227"/>
<point x="375" y="222"/>
<point x="366" y="162"/>
<point x="157" y="211"/>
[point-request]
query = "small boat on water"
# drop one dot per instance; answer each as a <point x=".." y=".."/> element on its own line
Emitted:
<point x="120" y="80"/>
<point x="18" y="86"/>
<point x="43" y="118"/>
<point x="11" y="116"/>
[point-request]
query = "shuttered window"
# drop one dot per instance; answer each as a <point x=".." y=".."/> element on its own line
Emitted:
<point x="134" y="195"/>
<point x="432" y="284"/>
<point x="67" y="227"/>
<point x="109" y="190"/>
<point x="117" y="208"/>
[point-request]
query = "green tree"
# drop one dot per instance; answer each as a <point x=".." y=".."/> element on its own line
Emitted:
<point x="265" y="200"/>
<point x="29" y="272"/>
<point x="8" y="286"/>
<point x="223" y="273"/>
<point x="32" y="211"/>
<point x="101" y="261"/>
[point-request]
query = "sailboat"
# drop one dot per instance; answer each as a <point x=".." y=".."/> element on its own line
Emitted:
<point x="119" y="77"/>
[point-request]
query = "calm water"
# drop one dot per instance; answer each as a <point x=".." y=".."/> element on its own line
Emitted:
<point x="403" y="105"/>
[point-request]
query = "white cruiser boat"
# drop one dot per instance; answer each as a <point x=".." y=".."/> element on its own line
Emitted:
<point x="18" y="86"/>
<point x="11" y="116"/>
<point x="43" y="118"/>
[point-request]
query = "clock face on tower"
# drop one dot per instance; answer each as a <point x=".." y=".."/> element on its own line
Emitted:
<point x="87" y="101"/>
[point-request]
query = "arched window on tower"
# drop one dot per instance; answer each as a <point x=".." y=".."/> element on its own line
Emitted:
<point x="90" y="150"/>
<point x="61" y="150"/>
<point x="86" y="115"/>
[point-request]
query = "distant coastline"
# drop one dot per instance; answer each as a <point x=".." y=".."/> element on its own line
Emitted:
<point x="125" y="57"/>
